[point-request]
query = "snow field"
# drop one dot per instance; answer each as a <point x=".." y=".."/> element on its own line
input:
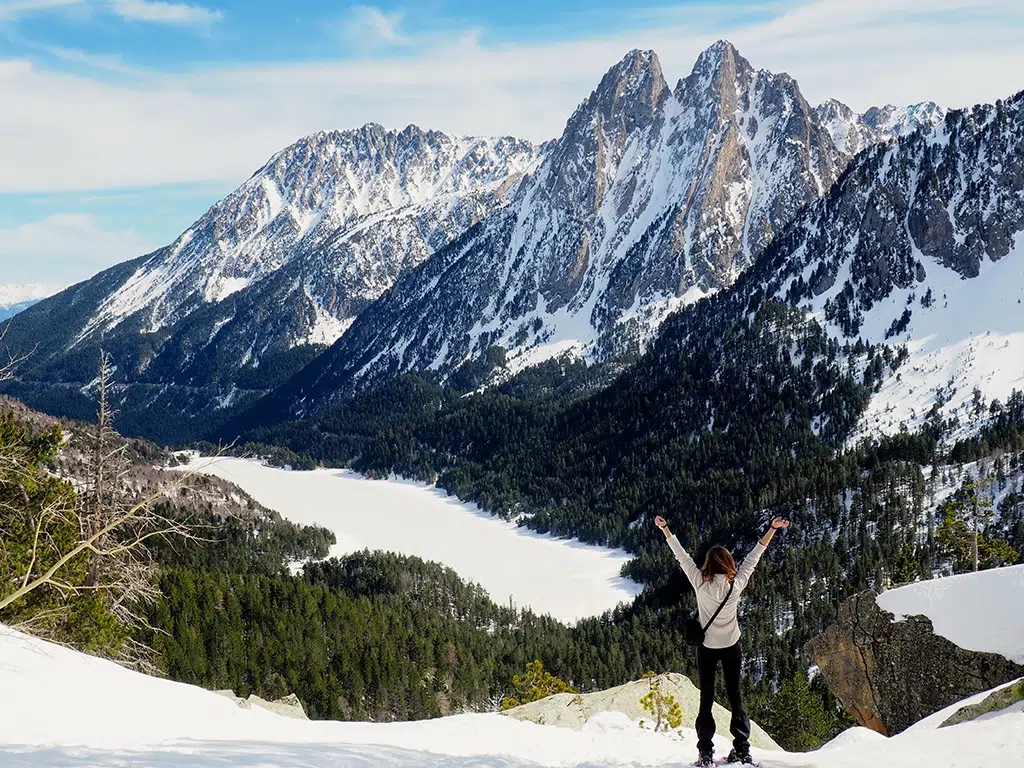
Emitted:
<point x="561" y="577"/>
<point x="61" y="708"/>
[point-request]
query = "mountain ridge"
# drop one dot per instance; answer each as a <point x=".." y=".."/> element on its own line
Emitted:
<point x="650" y="199"/>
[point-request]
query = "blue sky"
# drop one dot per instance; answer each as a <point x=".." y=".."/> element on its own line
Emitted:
<point x="123" y="120"/>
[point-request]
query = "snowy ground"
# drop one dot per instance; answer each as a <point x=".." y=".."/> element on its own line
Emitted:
<point x="60" y="708"/>
<point x="981" y="611"/>
<point x="562" y="577"/>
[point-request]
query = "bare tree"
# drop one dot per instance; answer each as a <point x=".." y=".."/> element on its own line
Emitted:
<point x="114" y="525"/>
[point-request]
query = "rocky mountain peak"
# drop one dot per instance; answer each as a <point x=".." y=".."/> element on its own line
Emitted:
<point x="627" y="99"/>
<point x="719" y="69"/>
<point x="852" y="132"/>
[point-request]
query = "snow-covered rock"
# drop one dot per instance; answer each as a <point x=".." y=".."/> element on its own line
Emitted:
<point x="854" y="132"/>
<point x="981" y="611"/>
<point x="898" y="657"/>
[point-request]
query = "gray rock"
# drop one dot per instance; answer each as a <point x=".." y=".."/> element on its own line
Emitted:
<point x="649" y="195"/>
<point x="287" y="706"/>
<point x="568" y="710"/>
<point x="994" y="702"/>
<point x="890" y="674"/>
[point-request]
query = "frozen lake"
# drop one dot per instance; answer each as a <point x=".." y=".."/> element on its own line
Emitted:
<point x="561" y="577"/>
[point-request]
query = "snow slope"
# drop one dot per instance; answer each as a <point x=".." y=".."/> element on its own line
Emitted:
<point x="564" y="578"/>
<point x="61" y="708"/>
<point x="918" y="245"/>
<point x="981" y="611"/>
<point x="972" y="336"/>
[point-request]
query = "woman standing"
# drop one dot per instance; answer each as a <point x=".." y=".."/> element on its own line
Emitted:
<point x="719" y="584"/>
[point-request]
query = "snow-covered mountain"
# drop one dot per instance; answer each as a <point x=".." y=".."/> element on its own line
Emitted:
<point x="853" y="132"/>
<point x="14" y="297"/>
<point x="919" y="246"/>
<point x="280" y="265"/>
<point x="445" y="248"/>
<point x="333" y="219"/>
<point x="651" y="198"/>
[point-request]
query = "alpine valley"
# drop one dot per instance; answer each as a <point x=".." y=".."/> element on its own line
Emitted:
<point x="421" y="251"/>
<point x="711" y="302"/>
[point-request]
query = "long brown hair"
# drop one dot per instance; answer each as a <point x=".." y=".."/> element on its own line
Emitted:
<point x="718" y="560"/>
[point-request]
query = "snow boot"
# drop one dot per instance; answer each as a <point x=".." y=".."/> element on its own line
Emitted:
<point x="743" y="758"/>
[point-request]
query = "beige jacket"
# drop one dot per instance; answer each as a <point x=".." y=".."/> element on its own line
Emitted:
<point x="725" y="631"/>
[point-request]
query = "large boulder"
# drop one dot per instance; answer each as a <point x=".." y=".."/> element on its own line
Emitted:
<point x="569" y="710"/>
<point x="889" y="674"/>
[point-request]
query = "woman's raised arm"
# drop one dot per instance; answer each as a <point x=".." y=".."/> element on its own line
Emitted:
<point x="751" y="560"/>
<point x="682" y="557"/>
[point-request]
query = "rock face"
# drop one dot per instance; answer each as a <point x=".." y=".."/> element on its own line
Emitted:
<point x="994" y="702"/>
<point x="568" y="710"/>
<point x="890" y="674"/>
<point x="943" y="199"/>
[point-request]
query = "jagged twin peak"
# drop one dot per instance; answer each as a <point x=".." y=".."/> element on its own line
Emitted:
<point x="322" y="229"/>
<point x="651" y="198"/>
<point x="852" y="132"/>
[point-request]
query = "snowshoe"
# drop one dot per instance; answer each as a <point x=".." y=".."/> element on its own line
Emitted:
<point x="705" y="761"/>
<point x="742" y="758"/>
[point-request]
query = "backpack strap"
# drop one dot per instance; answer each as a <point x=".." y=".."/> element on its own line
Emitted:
<point x="720" y="607"/>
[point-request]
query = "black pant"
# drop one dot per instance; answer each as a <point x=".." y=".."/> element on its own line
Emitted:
<point x="707" y="668"/>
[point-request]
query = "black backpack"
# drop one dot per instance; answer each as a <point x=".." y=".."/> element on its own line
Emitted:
<point x="693" y="631"/>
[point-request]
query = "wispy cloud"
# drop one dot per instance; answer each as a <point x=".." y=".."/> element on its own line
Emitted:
<point x="107" y="62"/>
<point x="158" y="12"/>
<point x="13" y="9"/>
<point x="64" y="247"/>
<point x="368" y="26"/>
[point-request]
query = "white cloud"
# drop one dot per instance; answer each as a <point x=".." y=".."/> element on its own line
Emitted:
<point x="16" y="8"/>
<point x="163" y="13"/>
<point x="368" y="26"/>
<point x="63" y="248"/>
<point x="66" y="132"/>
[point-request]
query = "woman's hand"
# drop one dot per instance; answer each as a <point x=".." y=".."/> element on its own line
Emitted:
<point x="777" y="523"/>
<point x="660" y="521"/>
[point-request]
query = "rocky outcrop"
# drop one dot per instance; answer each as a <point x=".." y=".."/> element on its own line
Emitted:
<point x="286" y="706"/>
<point x="569" y="710"/>
<point x="994" y="702"/>
<point x="890" y="674"/>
